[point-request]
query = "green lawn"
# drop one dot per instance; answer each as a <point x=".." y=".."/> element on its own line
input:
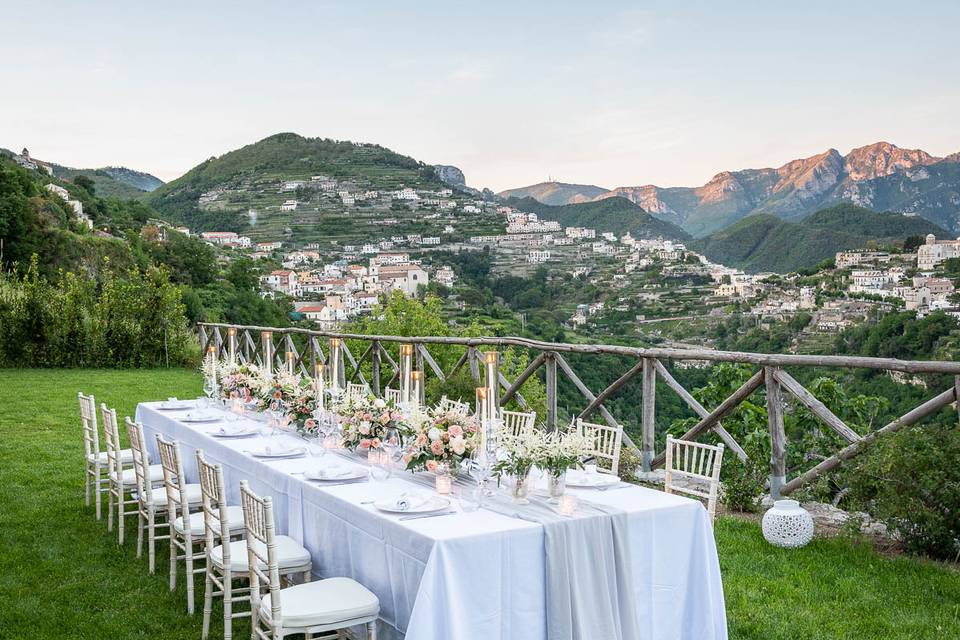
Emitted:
<point x="61" y="575"/>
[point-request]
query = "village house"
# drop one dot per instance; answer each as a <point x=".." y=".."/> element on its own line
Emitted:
<point x="934" y="251"/>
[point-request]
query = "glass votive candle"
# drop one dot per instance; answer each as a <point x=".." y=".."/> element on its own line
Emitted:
<point x="444" y="481"/>
<point x="568" y="505"/>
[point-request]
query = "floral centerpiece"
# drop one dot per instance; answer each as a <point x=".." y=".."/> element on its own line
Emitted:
<point x="517" y="456"/>
<point x="443" y="438"/>
<point x="301" y="410"/>
<point x="240" y="380"/>
<point x="279" y="392"/>
<point x="367" y="420"/>
<point x="562" y="451"/>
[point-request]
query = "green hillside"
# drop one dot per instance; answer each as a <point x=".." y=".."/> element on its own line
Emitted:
<point x="109" y="182"/>
<point x="257" y="169"/>
<point x="763" y="242"/>
<point x="617" y="215"/>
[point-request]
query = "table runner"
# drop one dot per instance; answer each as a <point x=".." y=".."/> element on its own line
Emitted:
<point x="472" y="576"/>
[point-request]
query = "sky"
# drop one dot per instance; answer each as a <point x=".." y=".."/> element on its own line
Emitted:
<point x="513" y="93"/>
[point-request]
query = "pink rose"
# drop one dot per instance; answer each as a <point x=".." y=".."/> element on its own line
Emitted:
<point x="455" y="431"/>
<point x="365" y="443"/>
<point x="431" y="465"/>
<point x="436" y="447"/>
<point x="368" y="417"/>
<point x="310" y="423"/>
<point x="421" y="439"/>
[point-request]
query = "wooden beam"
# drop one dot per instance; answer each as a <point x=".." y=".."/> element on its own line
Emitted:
<point x="386" y="354"/>
<point x="816" y="407"/>
<point x="522" y="378"/>
<point x="550" y="381"/>
<point x="474" y="364"/>
<point x="375" y="365"/>
<point x="728" y="405"/>
<point x="203" y="340"/>
<point x="363" y="356"/>
<point x="700" y="410"/>
<point x="584" y="390"/>
<point x="505" y="384"/>
<point x="648" y="414"/>
<point x="459" y="363"/>
<point x="928" y="408"/>
<point x="430" y="361"/>
<point x="778" y="437"/>
<point x="353" y="361"/>
<point x="613" y="388"/>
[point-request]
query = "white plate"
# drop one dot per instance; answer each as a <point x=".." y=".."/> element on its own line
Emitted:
<point x="202" y="416"/>
<point x="419" y="504"/>
<point x="176" y="405"/>
<point x="341" y="474"/>
<point x="267" y="452"/>
<point x="243" y="432"/>
<point x="591" y="481"/>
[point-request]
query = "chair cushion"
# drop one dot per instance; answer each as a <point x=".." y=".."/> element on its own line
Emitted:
<point x="194" y="495"/>
<point x="126" y="457"/>
<point x="234" y="517"/>
<point x="323" y="602"/>
<point x="129" y="476"/>
<point x="290" y="554"/>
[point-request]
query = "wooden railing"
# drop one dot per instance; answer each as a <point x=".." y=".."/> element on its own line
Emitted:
<point x="307" y="350"/>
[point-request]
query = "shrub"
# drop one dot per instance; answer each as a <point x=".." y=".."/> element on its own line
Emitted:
<point x="629" y="463"/>
<point x="744" y="483"/>
<point x="911" y="481"/>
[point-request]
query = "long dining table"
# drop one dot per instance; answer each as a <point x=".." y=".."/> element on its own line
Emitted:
<point x="467" y="575"/>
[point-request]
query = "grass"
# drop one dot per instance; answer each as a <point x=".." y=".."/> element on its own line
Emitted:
<point x="62" y="575"/>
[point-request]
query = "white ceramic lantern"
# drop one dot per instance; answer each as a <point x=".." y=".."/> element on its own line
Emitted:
<point x="787" y="525"/>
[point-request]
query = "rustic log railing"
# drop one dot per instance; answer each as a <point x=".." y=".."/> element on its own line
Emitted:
<point x="247" y="342"/>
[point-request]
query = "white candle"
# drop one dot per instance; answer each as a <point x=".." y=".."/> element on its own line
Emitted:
<point x="232" y="337"/>
<point x="335" y="364"/>
<point x="318" y="384"/>
<point x="290" y="362"/>
<point x="406" y="367"/>
<point x="415" y="377"/>
<point x="491" y="359"/>
<point x="444" y="484"/>
<point x="267" y="355"/>
<point x="568" y="504"/>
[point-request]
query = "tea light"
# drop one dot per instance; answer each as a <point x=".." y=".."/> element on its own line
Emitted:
<point x="373" y="456"/>
<point x="444" y="484"/>
<point x="568" y="505"/>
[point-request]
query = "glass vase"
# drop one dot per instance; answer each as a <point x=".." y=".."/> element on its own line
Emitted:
<point x="521" y="488"/>
<point x="557" y="485"/>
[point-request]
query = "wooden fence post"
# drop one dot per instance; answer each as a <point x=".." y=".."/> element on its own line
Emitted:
<point x="551" y="384"/>
<point x="648" y="423"/>
<point x="778" y="438"/>
<point x="375" y="365"/>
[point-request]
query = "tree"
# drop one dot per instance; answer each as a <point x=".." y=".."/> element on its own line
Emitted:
<point x="86" y="183"/>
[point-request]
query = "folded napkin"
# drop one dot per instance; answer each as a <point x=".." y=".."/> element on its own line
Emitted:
<point x="331" y="473"/>
<point x="407" y="501"/>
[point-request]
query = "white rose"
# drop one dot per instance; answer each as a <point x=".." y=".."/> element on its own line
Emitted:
<point x="434" y="433"/>
<point x="380" y="403"/>
<point x="459" y="445"/>
<point x="364" y="427"/>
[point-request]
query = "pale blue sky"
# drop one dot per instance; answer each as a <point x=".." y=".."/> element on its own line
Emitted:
<point x="611" y="93"/>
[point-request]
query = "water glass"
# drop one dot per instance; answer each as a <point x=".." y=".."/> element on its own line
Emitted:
<point x="470" y="498"/>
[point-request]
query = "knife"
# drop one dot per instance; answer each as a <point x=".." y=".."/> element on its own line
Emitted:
<point x="417" y="516"/>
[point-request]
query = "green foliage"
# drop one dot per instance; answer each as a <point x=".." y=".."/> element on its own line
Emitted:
<point x="902" y="335"/>
<point x="911" y="480"/>
<point x="763" y="242"/>
<point x="617" y="215"/>
<point x="128" y="319"/>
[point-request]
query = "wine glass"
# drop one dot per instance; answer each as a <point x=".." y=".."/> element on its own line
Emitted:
<point x="380" y="467"/>
<point x="209" y="388"/>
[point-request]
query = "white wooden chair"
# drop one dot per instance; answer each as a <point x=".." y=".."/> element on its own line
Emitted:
<point x="180" y="498"/>
<point x="151" y="503"/>
<point x="697" y="463"/>
<point x="332" y="604"/>
<point x="446" y="404"/>
<point x="221" y="523"/>
<point x="516" y="423"/>
<point x="121" y="478"/>
<point x="357" y="391"/>
<point x="607" y="442"/>
<point x="95" y="461"/>
<point x="392" y="395"/>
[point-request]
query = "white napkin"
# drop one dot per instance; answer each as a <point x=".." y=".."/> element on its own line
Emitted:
<point x="337" y="471"/>
<point x="407" y="501"/>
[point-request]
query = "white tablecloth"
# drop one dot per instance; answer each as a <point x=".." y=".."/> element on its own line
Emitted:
<point x="465" y="576"/>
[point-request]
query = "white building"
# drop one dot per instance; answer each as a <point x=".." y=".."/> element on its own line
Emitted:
<point x="935" y="251"/>
<point x="406" y="278"/>
<point x="538" y="257"/>
<point x="289" y="205"/>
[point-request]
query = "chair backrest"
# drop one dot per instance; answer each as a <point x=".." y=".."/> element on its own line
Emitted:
<point x="140" y="462"/>
<point x="607" y="442"/>
<point x="261" y="549"/>
<point x="392" y="395"/>
<point x="698" y="463"/>
<point x="173" y="482"/>
<point x="111" y="438"/>
<point x="446" y="404"/>
<point x="516" y="423"/>
<point x="88" y="421"/>
<point x="357" y="391"/>
<point x="216" y="524"/>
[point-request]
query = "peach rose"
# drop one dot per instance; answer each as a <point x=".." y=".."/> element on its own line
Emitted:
<point x="455" y="431"/>
<point x="436" y="447"/>
<point x="365" y="443"/>
<point x="375" y="443"/>
<point x="421" y="439"/>
<point x="431" y="465"/>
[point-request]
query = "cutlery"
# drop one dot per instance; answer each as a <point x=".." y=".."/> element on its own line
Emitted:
<point x="417" y="516"/>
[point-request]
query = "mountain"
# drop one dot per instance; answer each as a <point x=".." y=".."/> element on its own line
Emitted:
<point x="764" y="242"/>
<point x="453" y="176"/>
<point x="881" y="176"/>
<point x="556" y="193"/>
<point x="113" y="182"/>
<point x="617" y="215"/>
<point x="258" y="168"/>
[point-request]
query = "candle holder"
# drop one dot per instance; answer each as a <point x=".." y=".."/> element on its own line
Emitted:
<point x="267" y="336"/>
<point x="443" y="480"/>
<point x="416" y="387"/>
<point x="406" y="369"/>
<point x="568" y="505"/>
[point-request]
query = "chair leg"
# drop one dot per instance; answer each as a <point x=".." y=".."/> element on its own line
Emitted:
<point x="151" y="543"/>
<point x="110" y="508"/>
<point x="208" y="604"/>
<point x="307" y="576"/>
<point x="227" y="604"/>
<point x="86" y="484"/>
<point x="173" y="559"/>
<point x="123" y="515"/>
<point x="188" y="545"/>
<point x="139" y="533"/>
<point x="372" y="630"/>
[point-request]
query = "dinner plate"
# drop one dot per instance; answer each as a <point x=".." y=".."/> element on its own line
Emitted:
<point x="268" y="452"/>
<point x="416" y="504"/>
<point x="591" y="480"/>
<point x="202" y="416"/>
<point x="242" y="432"/>
<point x="335" y="474"/>
<point x="176" y="405"/>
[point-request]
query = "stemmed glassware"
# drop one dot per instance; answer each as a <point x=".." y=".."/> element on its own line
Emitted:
<point x="209" y="388"/>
